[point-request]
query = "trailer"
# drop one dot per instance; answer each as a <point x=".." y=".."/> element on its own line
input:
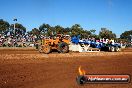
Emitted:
<point x="85" y="45"/>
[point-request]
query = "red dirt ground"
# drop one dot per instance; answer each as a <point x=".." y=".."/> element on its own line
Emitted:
<point x="26" y="68"/>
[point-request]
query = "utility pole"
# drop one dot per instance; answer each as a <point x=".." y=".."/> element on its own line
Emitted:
<point x="14" y="25"/>
<point x="14" y="31"/>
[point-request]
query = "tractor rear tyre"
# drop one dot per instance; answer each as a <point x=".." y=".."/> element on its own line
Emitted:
<point x="63" y="47"/>
<point x="40" y="48"/>
<point x="46" y="49"/>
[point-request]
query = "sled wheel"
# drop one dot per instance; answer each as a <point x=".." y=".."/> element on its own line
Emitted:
<point x="117" y="49"/>
<point x="112" y="49"/>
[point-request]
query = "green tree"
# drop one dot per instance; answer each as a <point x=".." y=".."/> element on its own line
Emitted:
<point x="19" y="29"/>
<point x="4" y="26"/>
<point x="45" y="29"/>
<point x="59" y="29"/>
<point x="76" y="30"/>
<point x="29" y="32"/>
<point x="126" y="35"/>
<point x="85" y="34"/>
<point x="67" y="31"/>
<point x="35" y="31"/>
<point x="92" y="31"/>
<point x="105" y="33"/>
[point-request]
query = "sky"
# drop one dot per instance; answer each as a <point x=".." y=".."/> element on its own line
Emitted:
<point x="115" y="15"/>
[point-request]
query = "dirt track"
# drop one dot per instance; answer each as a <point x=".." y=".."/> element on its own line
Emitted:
<point x="26" y="68"/>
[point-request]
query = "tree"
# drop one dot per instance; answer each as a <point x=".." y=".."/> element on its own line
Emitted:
<point x="35" y="31"/>
<point x="76" y="30"/>
<point x="59" y="29"/>
<point x="85" y="34"/>
<point x="45" y="29"/>
<point x="126" y="35"/>
<point x="4" y="26"/>
<point x="93" y="31"/>
<point x="67" y="31"/>
<point x="19" y="29"/>
<point x="29" y="32"/>
<point x="105" y="33"/>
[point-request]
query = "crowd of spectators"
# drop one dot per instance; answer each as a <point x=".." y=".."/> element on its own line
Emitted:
<point x="27" y="40"/>
<point x="17" y="41"/>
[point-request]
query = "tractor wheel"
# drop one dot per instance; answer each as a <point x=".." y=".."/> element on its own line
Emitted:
<point x="37" y="46"/>
<point x="117" y="49"/>
<point x="46" y="49"/>
<point x="40" y="49"/>
<point x="112" y="49"/>
<point x="63" y="47"/>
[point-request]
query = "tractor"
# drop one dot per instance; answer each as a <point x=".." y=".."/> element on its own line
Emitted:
<point x="59" y="43"/>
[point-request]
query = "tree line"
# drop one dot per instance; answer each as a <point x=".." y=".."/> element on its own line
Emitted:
<point x="48" y="30"/>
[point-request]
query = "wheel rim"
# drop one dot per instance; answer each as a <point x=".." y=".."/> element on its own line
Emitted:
<point x="40" y="49"/>
<point x="46" y="49"/>
<point x="64" y="47"/>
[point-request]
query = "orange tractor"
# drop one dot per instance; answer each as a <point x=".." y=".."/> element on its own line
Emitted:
<point x="59" y="43"/>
